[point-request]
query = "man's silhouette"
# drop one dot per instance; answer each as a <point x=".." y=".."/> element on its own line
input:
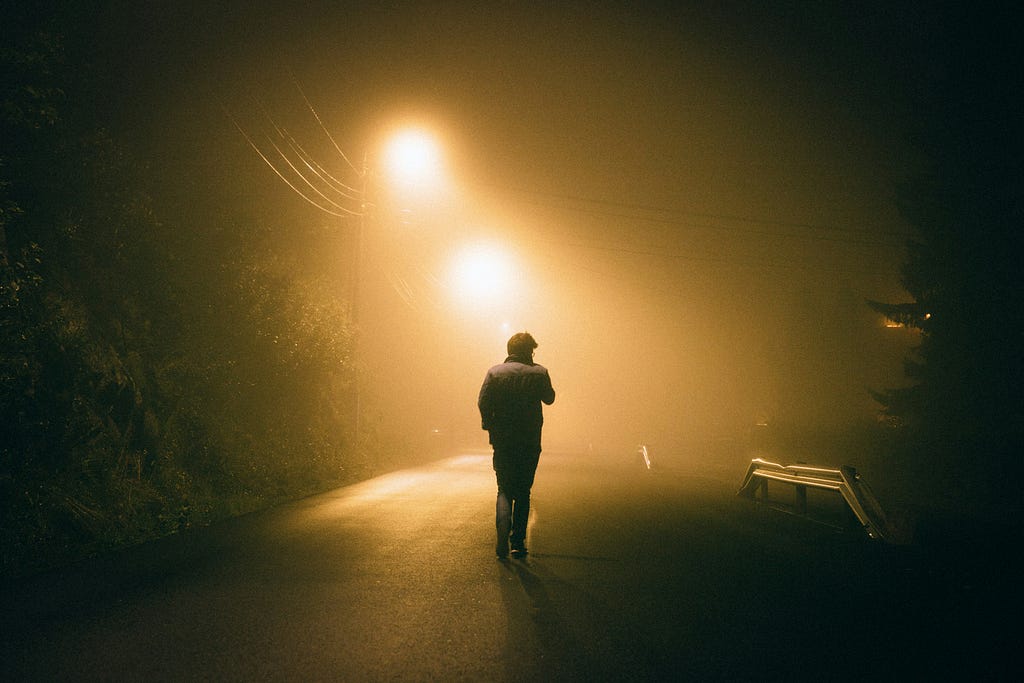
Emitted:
<point x="511" y="412"/>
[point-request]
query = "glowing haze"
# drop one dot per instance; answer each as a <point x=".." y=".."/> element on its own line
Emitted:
<point x="686" y="207"/>
<point x="482" y="275"/>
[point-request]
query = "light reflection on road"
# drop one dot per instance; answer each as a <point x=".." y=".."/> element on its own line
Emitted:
<point x="453" y="475"/>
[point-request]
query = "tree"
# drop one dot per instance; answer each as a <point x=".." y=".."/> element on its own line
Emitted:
<point x="167" y="357"/>
<point x="966" y="407"/>
<point x="84" y="309"/>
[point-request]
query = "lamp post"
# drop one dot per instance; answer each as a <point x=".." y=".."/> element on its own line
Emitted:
<point x="410" y="163"/>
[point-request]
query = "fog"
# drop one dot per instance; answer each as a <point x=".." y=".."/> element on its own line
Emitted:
<point x="671" y="329"/>
<point x="694" y="204"/>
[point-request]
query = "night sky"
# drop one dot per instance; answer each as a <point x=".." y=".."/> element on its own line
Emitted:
<point x="699" y="197"/>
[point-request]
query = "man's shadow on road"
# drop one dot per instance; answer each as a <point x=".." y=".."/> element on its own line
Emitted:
<point x="535" y="577"/>
<point x="559" y="646"/>
<point x="541" y="607"/>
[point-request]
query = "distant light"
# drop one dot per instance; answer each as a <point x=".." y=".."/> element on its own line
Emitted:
<point x="896" y="324"/>
<point x="505" y="330"/>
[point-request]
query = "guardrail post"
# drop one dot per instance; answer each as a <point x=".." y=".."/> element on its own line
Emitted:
<point x="801" y="499"/>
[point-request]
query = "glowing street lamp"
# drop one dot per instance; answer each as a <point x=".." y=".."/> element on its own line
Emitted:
<point x="486" y="283"/>
<point x="412" y="156"/>
<point x="481" y="274"/>
<point x="410" y="160"/>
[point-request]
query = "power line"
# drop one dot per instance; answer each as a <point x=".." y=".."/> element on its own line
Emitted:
<point x="322" y="126"/>
<point x="678" y="256"/>
<point x="282" y="176"/>
<point x="675" y="217"/>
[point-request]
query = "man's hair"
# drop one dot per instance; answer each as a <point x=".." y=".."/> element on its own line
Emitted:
<point x="521" y="344"/>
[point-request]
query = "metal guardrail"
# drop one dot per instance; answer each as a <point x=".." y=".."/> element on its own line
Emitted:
<point x="845" y="480"/>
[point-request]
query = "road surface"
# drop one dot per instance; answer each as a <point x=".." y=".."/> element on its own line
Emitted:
<point x="633" y="575"/>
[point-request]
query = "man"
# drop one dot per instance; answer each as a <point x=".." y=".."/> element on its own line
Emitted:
<point x="511" y="412"/>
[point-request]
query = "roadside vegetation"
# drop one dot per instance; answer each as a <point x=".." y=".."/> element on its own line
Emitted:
<point x="160" y="368"/>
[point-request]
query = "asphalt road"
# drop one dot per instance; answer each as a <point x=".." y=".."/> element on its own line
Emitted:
<point x="633" y="575"/>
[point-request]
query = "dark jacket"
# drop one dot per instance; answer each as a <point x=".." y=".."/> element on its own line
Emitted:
<point x="510" y="401"/>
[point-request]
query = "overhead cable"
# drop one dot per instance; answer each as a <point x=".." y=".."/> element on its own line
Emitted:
<point x="297" y="172"/>
<point x="282" y="176"/>
<point x="323" y="127"/>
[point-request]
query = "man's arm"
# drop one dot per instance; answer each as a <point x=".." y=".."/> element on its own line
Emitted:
<point x="484" y="403"/>
<point x="548" y="391"/>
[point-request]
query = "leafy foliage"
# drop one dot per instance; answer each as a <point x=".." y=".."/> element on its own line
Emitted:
<point x="144" y="388"/>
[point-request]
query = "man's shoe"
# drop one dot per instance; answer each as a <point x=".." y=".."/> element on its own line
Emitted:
<point x="519" y="550"/>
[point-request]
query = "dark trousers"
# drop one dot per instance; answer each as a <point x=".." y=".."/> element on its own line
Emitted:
<point x="514" y="466"/>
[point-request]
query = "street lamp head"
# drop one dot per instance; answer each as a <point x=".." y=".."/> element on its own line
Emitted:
<point x="412" y="156"/>
<point x="482" y="274"/>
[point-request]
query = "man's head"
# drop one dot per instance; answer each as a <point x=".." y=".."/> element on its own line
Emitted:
<point x="521" y="344"/>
